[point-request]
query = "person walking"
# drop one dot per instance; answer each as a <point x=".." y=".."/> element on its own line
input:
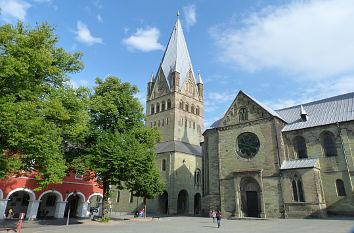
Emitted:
<point x="218" y="218"/>
<point x="213" y="214"/>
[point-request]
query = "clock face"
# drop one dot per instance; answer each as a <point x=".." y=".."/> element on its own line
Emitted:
<point x="247" y="145"/>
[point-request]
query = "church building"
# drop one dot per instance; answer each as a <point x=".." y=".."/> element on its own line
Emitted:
<point x="292" y="162"/>
<point x="174" y="105"/>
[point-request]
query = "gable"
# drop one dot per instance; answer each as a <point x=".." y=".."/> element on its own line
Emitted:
<point x="160" y="87"/>
<point x="243" y="109"/>
<point x="189" y="86"/>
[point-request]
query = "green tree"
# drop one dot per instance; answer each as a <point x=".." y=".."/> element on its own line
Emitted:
<point x="41" y="117"/>
<point x="122" y="148"/>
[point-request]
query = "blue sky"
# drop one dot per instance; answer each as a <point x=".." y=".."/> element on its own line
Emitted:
<point x="281" y="52"/>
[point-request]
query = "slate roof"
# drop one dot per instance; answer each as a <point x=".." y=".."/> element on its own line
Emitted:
<point x="322" y="112"/>
<point x="178" y="146"/>
<point x="299" y="163"/>
<point x="176" y="56"/>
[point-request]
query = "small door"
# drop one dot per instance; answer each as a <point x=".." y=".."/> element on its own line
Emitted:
<point x="252" y="204"/>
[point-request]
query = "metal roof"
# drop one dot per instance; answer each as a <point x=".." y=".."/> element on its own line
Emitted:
<point x="179" y="147"/>
<point x="176" y="56"/>
<point x="322" y="112"/>
<point x="299" y="163"/>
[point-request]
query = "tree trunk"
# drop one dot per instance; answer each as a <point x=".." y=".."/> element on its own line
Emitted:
<point x="145" y="207"/>
<point x="106" y="194"/>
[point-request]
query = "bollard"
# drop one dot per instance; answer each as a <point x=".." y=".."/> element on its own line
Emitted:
<point x="20" y="220"/>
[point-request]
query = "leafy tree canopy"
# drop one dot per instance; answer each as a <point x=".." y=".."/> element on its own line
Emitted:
<point x="42" y="117"/>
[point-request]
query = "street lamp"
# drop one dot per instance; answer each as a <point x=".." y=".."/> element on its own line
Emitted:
<point x="69" y="206"/>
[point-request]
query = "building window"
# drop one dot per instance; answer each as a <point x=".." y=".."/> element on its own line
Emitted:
<point x="152" y="109"/>
<point x="131" y="197"/>
<point x="157" y="107"/>
<point x="163" y="107"/>
<point x="185" y="123"/>
<point x="298" y="192"/>
<point x="118" y="196"/>
<point x="300" y="147"/>
<point x="328" y="144"/>
<point x="197" y="177"/>
<point x="192" y="109"/>
<point x="159" y="123"/>
<point x="167" y="121"/>
<point x="247" y="145"/>
<point x="163" y="122"/>
<point x="340" y="188"/>
<point x="181" y="105"/>
<point x="151" y="124"/>
<point x="187" y="107"/>
<point x="163" y="165"/>
<point x="243" y="114"/>
<point x="154" y="123"/>
<point x="193" y="125"/>
<point x="197" y="111"/>
<point x="168" y="104"/>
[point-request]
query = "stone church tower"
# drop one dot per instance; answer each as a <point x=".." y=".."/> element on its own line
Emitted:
<point x="175" y="107"/>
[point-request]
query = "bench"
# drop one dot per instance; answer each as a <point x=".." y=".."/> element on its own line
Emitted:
<point x="7" y="229"/>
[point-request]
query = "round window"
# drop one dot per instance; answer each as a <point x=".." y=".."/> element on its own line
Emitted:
<point x="247" y="145"/>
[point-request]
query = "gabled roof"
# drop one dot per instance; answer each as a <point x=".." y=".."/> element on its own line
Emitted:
<point x="299" y="163"/>
<point x="265" y="107"/>
<point x="322" y="112"/>
<point x="179" y="146"/>
<point x="176" y="56"/>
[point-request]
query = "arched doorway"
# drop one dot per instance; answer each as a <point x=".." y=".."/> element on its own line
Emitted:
<point x="19" y="202"/>
<point x="182" y="202"/>
<point x="74" y="205"/>
<point x="48" y="204"/>
<point x="250" y="197"/>
<point x="197" y="204"/>
<point x="163" y="203"/>
<point x="95" y="203"/>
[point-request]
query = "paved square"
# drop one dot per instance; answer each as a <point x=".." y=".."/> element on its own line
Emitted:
<point x="196" y="224"/>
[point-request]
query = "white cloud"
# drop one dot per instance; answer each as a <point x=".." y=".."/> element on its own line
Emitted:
<point x="99" y="18"/>
<point x="310" y="39"/>
<point x="315" y="91"/>
<point x="145" y="40"/>
<point x="43" y="1"/>
<point x="11" y="9"/>
<point x="83" y="35"/>
<point x="190" y="15"/>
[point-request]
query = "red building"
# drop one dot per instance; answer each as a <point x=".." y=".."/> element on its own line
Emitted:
<point x="75" y="193"/>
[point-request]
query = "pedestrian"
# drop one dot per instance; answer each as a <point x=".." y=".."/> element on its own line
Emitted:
<point x="218" y="218"/>
<point x="213" y="214"/>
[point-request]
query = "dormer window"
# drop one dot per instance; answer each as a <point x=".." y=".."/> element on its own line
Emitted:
<point x="243" y="114"/>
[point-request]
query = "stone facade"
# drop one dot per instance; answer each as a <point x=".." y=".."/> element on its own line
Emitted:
<point x="261" y="183"/>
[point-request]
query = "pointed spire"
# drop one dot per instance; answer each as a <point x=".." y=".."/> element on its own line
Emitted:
<point x="199" y="78"/>
<point x="176" y="56"/>
<point x="303" y="113"/>
<point x="151" y="78"/>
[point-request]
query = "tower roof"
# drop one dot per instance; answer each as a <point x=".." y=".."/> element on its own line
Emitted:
<point x="176" y="56"/>
<point x="199" y="78"/>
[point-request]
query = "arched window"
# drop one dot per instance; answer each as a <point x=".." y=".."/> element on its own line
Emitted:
<point x="192" y="109"/>
<point x="181" y="105"/>
<point x="197" y="111"/>
<point x="197" y="177"/>
<point x="340" y="188"/>
<point x="168" y="104"/>
<point x="300" y="147"/>
<point x="157" y="107"/>
<point x="298" y="192"/>
<point x="243" y="114"/>
<point x="187" y="107"/>
<point x="163" y="107"/>
<point x="163" y="165"/>
<point x="328" y="144"/>
<point x="131" y="197"/>
<point x="152" y="109"/>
